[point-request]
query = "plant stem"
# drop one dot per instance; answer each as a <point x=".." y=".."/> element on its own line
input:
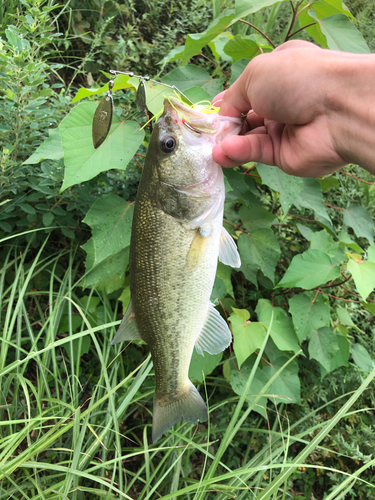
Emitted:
<point x="304" y="27"/>
<point x="260" y="31"/>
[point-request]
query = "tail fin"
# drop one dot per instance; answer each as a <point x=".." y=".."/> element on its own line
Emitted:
<point x="190" y="408"/>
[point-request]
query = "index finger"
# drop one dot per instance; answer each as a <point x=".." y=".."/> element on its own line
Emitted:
<point x="235" y="101"/>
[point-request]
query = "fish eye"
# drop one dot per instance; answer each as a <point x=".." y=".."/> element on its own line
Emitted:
<point x="168" y="144"/>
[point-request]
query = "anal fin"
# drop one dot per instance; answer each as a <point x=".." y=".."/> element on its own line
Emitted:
<point x="228" y="253"/>
<point x="215" y="335"/>
<point x="128" y="329"/>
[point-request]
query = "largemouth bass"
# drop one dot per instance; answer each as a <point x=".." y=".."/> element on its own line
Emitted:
<point x="177" y="238"/>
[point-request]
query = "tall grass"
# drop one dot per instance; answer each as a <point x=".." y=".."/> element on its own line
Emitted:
<point x="75" y="413"/>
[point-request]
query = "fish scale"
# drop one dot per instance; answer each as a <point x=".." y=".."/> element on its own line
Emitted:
<point x="177" y="237"/>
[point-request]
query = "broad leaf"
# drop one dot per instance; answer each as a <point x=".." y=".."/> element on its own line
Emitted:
<point x="282" y="331"/>
<point x="340" y="357"/>
<point x="246" y="7"/>
<point x="286" y="387"/>
<point x="363" y="273"/>
<point x="82" y="161"/>
<point x="219" y="290"/>
<point x="309" y="313"/>
<point x="360" y="221"/>
<point x="155" y="95"/>
<point x="322" y="346"/>
<point x="243" y="187"/>
<point x="256" y="218"/>
<point x="361" y="357"/>
<point x="238" y="380"/>
<point x="288" y="186"/>
<point x="241" y="48"/>
<point x="201" y="366"/>
<point x="185" y="77"/>
<point x="344" y="316"/>
<point x="371" y="253"/>
<point x="121" y="82"/>
<point x="322" y="239"/>
<point x="312" y="197"/>
<point x="50" y="149"/>
<point x="248" y="336"/>
<point x="197" y="95"/>
<point x="109" y="274"/>
<point x="225" y="274"/>
<point x="346" y="240"/>
<point x="259" y="250"/>
<point x="309" y="270"/>
<point x="217" y="46"/>
<point x="110" y="219"/>
<point x="322" y="9"/>
<point x="195" y="42"/>
<point x="341" y="34"/>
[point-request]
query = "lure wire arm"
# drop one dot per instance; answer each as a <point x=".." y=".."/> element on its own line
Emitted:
<point x="148" y="79"/>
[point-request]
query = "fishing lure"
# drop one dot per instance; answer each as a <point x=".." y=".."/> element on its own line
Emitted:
<point x="104" y="112"/>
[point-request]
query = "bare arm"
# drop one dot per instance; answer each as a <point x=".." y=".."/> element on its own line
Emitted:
<point x="313" y="111"/>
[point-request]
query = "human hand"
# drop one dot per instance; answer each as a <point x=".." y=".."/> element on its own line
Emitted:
<point x="294" y="121"/>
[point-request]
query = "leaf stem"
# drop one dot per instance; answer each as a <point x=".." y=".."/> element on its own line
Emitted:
<point x="294" y="16"/>
<point x="303" y="27"/>
<point x="260" y="31"/>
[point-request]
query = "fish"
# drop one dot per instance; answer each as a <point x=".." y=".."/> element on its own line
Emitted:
<point x="176" y="241"/>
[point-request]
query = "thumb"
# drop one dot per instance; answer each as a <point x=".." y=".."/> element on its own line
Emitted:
<point x="238" y="149"/>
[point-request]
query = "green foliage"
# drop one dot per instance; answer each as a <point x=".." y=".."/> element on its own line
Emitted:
<point x="307" y="269"/>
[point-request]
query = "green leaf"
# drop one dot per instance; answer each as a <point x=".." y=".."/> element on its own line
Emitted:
<point x="27" y="208"/>
<point x="48" y="219"/>
<point x="322" y="239"/>
<point x="346" y="240"/>
<point x="288" y="186"/>
<point x="82" y="161"/>
<point x="219" y="290"/>
<point x="360" y="221"/>
<point x="195" y="42"/>
<point x="341" y="34"/>
<point x="241" y="313"/>
<point x="344" y="316"/>
<point x="322" y="9"/>
<point x="238" y="382"/>
<point x="282" y="332"/>
<point x="246" y="7"/>
<point x="121" y="82"/>
<point x="340" y="357"/>
<point x="110" y="219"/>
<point x="109" y="274"/>
<point x="239" y="48"/>
<point x="309" y="270"/>
<point x="312" y="197"/>
<point x="185" y="77"/>
<point x="286" y="388"/>
<point x="370" y="306"/>
<point x="256" y="218"/>
<point x="248" y="336"/>
<point x="308" y="314"/>
<point x="225" y="274"/>
<point x="371" y="253"/>
<point x="197" y="95"/>
<point x="361" y="357"/>
<point x="243" y="187"/>
<point x="206" y="364"/>
<point x="217" y="46"/>
<point x="322" y="346"/>
<point x="329" y="182"/>
<point x="259" y="250"/>
<point x="173" y="55"/>
<point x="155" y="95"/>
<point x="237" y="69"/>
<point x="363" y="273"/>
<point x="50" y="149"/>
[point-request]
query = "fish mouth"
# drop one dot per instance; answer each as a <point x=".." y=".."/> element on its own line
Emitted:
<point x="194" y="120"/>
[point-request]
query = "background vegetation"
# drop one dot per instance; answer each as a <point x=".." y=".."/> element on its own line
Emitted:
<point x="75" y="414"/>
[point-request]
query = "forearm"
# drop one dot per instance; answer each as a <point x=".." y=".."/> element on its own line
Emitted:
<point x="351" y="107"/>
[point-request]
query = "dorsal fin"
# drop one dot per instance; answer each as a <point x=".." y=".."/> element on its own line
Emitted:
<point x="215" y="335"/>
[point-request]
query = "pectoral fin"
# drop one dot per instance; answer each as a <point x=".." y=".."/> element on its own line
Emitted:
<point x="228" y="253"/>
<point x="215" y="335"/>
<point x="128" y="329"/>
